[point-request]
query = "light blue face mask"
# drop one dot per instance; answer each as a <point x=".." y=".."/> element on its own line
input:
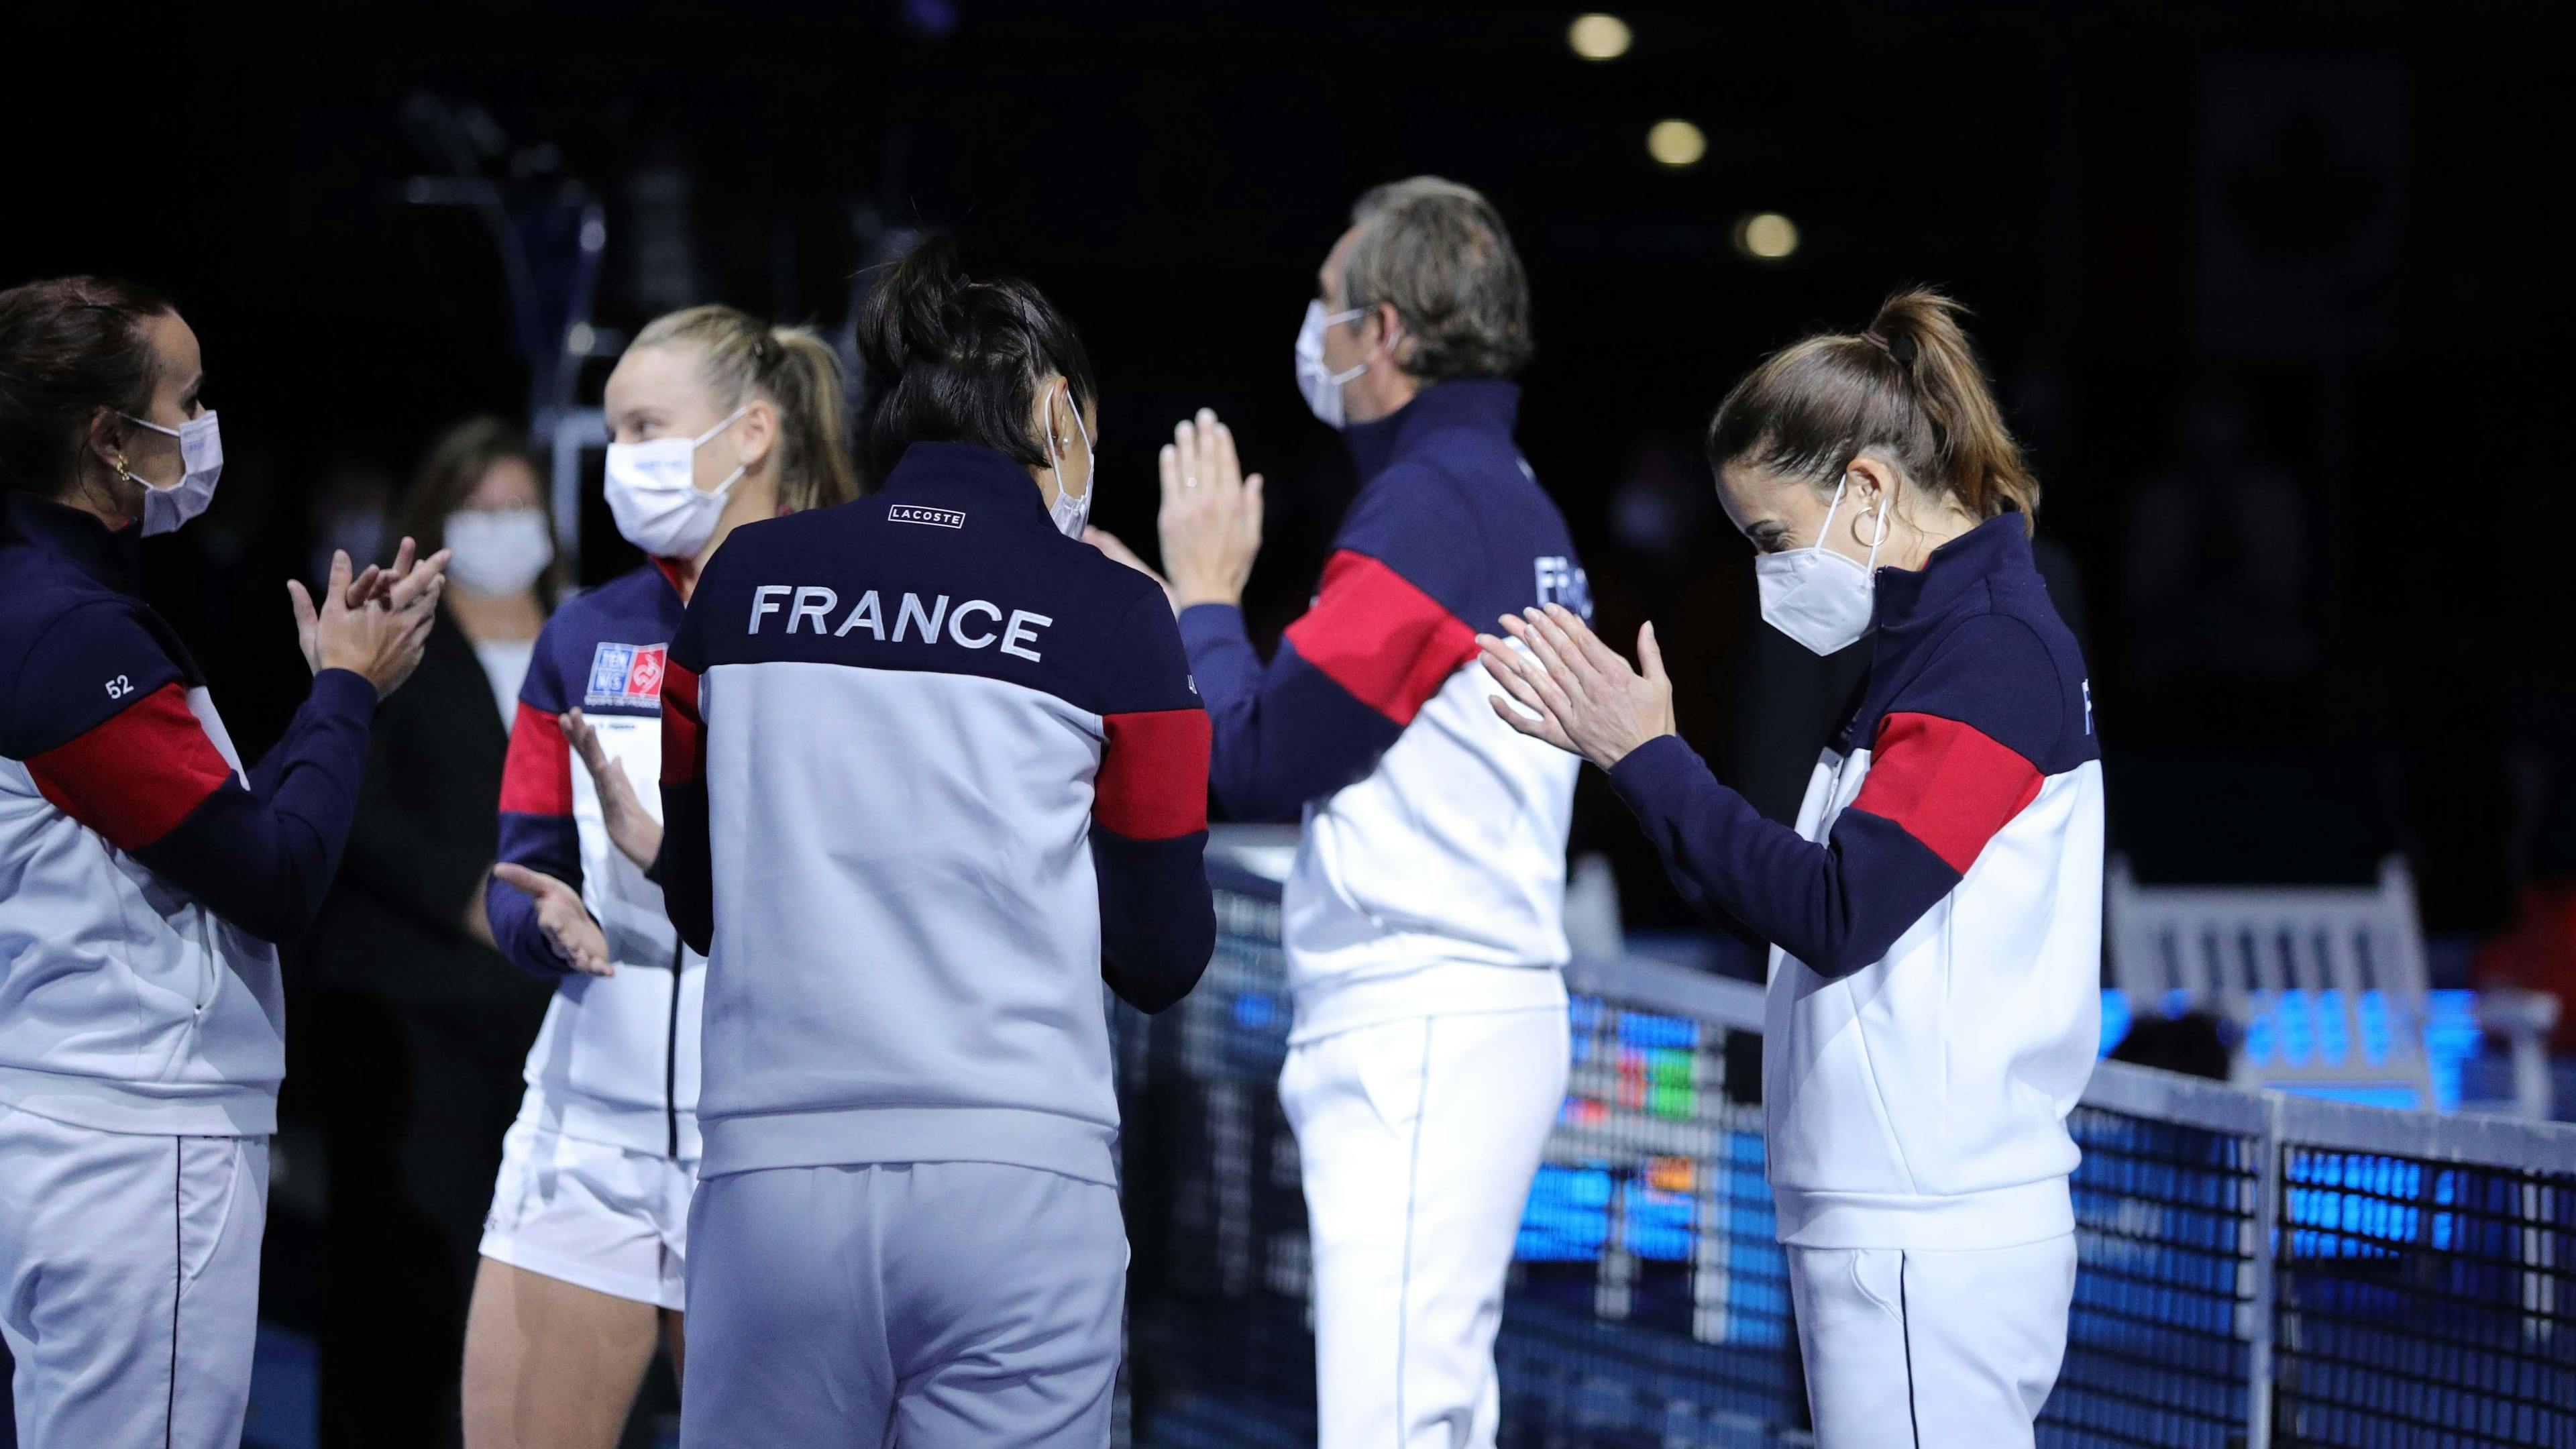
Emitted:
<point x="201" y="458"/>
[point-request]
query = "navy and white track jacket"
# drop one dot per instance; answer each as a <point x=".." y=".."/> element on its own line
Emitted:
<point x="1936" y="917"/>
<point x="934" y="770"/>
<point x="143" y="873"/>
<point x="1431" y="873"/>
<point x="617" y="1058"/>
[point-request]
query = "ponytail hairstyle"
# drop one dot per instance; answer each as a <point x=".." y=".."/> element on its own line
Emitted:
<point x="954" y="360"/>
<point x="68" y="348"/>
<point x="742" y="358"/>
<point x="1910" y="387"/>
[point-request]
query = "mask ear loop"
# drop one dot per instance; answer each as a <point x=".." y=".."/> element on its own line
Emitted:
<point x="1091" y="462"/>
<point x="1055" y="459"/>
<point x="724" y="489"/>
<point x="1825" y="530"/>
<point x="124" y="465"/>
<point x="1393" y="335"/>
<point x="1878" y="515"/>
<point x="125" y="470"/>
<point x="1347" y="314"/>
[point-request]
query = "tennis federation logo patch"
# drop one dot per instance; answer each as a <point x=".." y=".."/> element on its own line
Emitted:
<point x="626" y="674"/>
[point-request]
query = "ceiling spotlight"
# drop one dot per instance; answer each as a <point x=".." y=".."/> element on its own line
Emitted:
<point x="1766" y="236"/>
<point x="1598" y="37"/>
<point x="1676" y="143"/>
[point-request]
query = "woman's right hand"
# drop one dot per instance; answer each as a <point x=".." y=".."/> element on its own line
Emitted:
<point x="376" y="630"/>
<point x="1575" y="692"/>
<point x="565" y="920"/>
<point x="637" y="835"/>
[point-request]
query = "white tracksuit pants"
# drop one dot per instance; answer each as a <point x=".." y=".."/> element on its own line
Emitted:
<point x="1418" y="1138"/>
<point x="1910" y="1349"/>
<point x="129" y="1283"/>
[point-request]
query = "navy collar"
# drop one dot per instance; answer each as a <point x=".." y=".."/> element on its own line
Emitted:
<point x="1481" y="404"/>
<point x="956" y="475"/>
<point x="111" y="556"/>
<point x="1997" y="546"/>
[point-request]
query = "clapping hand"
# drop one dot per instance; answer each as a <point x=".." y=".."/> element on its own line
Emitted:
<point x="375" y="622"/>
<point x="1575" y="692"/>
<point x="636" y="834"/>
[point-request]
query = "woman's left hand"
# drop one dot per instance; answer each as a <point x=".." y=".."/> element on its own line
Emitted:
<point x="1579" y="695"/>
<point x="637" y="835"/>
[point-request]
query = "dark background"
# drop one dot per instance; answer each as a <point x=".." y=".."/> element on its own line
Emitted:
<point x="2267" y="289"/>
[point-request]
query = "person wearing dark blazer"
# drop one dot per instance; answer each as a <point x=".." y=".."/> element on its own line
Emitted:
<point x="424" y="1024"/>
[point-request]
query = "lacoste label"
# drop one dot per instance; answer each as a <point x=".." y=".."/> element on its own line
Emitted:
<point x="916" y="513"/>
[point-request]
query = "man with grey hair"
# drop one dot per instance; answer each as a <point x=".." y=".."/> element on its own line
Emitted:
<point x="1423" y="918"/>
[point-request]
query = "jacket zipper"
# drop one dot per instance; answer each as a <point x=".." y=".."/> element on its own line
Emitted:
<point x="671" y="1056"/>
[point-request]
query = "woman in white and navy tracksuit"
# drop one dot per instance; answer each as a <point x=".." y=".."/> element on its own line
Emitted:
<point x="145" y="877"/>
<point x="1936" y="915"/>
<point x="716" y="419"/>
<point x="936" y="771"/>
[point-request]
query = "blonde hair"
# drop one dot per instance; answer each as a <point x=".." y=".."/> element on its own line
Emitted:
<point x="741" y="357"/>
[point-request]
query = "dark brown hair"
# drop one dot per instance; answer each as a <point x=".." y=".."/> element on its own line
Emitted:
<point x="1909" y="386"/>
<point x="454" y="465"/>
<point x="68" y="347"/>
<point x="741" y="357"/>
<point x="952" y="359"/>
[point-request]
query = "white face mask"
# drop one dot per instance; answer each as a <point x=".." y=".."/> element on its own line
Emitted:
<point x="653" y="490"/>
<point x="201" y="457"/>
<point x="498" y="551"/>
<point x="1321" y="385"/>
<point x="1815" y="595"/>
<point x="1070" y="513"/>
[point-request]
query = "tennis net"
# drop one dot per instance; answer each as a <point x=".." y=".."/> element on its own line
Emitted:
<point x="2255" y="1269"/>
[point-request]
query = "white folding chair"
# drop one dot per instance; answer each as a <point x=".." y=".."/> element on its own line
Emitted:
<point x="2326" y="983"/>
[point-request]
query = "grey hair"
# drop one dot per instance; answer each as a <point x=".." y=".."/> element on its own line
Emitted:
<point x="1440" y="253"/>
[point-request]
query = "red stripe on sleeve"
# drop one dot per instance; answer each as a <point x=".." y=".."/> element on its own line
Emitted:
<point x="536" y="779"/>
<point x="1946" y="784"/>
<point x="1154" y="774"/>
<point x="684" y="729"/>
<point x="135" y="775"/>
<point x="1377" y="635"/>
